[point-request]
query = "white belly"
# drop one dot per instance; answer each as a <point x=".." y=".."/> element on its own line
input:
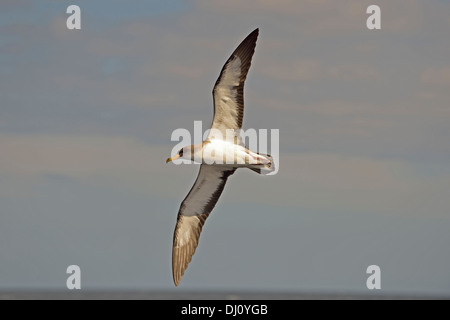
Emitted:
<point x="220" y="152"/>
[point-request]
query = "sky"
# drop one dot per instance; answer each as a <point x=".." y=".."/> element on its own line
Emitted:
<point x="86" y="118"/>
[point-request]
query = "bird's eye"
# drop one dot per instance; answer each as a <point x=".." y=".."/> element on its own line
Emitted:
<point x="181" y="153"/>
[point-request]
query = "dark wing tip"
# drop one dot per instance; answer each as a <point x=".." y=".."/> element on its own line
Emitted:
<point x="256" y="32"/>
<point x="251" y="39"/>
<point x="244" y="51"/>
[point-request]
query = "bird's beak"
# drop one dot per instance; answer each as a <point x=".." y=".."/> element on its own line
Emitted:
<point x="173" y="158"/>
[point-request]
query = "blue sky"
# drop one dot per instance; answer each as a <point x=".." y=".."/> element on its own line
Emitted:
<point x="86" y="118"/>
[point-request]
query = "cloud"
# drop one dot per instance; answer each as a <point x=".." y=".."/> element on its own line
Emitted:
<point x="284" y="7"/>
<point x="438" y="76"/>
<point x="319" y="181"/>
<point x="354" y="72"/>
<point x="342" y="96"/>
<point x="333" y="182"/>
<point x="90" y="159"/>
<point x="292" y="70"/>
<point x="86" y="118"/>
<point x="299" y="69"/>
<point x="7" y="5"/>
<point x="187" y="72"/>
<point x="324" y="17"/>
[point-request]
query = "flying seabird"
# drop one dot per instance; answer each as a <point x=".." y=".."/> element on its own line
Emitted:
<point x="219" y="156"/>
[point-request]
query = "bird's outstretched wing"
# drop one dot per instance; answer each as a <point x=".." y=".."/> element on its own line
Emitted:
<point x="228" y="92"/>
<point x="193" y="212"/>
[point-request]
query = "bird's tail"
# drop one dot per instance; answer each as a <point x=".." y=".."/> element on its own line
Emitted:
<point x="267" y="165"/>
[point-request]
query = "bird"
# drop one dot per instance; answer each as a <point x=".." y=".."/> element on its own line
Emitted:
<point x="220" y="155"/>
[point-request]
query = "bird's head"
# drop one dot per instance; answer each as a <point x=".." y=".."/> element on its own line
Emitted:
<point x="184" y="153"/>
